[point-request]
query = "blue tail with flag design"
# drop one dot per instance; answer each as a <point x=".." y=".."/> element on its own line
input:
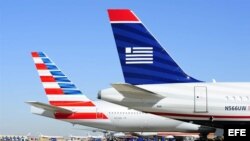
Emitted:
<point x="143" y="59"/>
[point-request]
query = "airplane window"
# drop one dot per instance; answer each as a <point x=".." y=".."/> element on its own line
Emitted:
<point x="242" y="98"/>
<point x="245" y="98"/>
<point x="237" y="98"/>
<point x="231" y="98"/>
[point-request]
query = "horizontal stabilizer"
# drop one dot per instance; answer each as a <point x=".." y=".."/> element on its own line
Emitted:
<point x="132" y="91"/>
<point x="49" y="107"/>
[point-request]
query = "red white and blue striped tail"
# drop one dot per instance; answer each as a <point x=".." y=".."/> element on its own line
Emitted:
<point x="58" y="88"/>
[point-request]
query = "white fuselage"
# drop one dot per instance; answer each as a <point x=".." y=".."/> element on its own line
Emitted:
<point x="214" y="103"/>
<point x="118" y="118"/>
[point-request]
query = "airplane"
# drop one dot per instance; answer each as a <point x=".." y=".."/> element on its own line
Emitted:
<point x="154" y="82"/>
<point x="67" y="103"/>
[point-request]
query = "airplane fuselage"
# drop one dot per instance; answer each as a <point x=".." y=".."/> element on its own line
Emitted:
<point x="113" y="117"/>
<point x="214" y="104"/>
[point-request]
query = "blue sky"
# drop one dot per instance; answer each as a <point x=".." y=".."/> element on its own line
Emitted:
<point x="208" y="39"/>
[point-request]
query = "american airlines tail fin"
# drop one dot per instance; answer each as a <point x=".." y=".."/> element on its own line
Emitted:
<point x="59" y="89"/>
<point x="143" y="59"/>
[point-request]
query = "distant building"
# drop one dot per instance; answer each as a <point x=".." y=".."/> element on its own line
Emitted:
<point x="50" y="138"/>
<point x="78" y="138"/>
<point x="86" y="138"/>
<point x="13" y="138"/>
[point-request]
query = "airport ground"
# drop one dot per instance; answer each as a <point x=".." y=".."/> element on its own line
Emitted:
<point x="211" y="137"/>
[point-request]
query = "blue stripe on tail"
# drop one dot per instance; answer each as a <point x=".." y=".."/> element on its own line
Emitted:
<point x="61" y="79"/>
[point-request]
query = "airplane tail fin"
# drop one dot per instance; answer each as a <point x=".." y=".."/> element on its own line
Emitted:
<point x="59" y="89"/>
<point x="143" y="59"/>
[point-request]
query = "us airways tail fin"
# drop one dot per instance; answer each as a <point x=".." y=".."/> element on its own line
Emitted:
<point x="59" y="89"/>
<point x="143" y="59"/>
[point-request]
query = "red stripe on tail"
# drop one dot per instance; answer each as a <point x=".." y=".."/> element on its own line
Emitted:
<point x="47" y="79"/>
<point x="71" y="103"/>
<point x="54" y="91"/>
<point x="34" y="54"/>
<point x="41" y="67"/>
<point x="121" y="15"/>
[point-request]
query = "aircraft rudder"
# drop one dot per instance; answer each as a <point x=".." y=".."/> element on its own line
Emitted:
<point x="58" y="88"/>
<point x="142" y="58"/>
